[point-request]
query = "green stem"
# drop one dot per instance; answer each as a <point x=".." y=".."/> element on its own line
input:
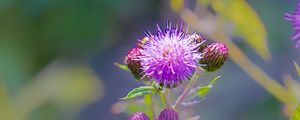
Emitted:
<point x="163" y="98"/>
<point x="167" y="98"/>
<point x="186" y="90"/>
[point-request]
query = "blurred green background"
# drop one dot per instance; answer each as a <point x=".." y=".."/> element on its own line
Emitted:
<point x="56" y="59"/>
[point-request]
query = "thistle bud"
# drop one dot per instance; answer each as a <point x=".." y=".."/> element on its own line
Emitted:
<point x="198" y="39"/>
<point x="214" y="56"/>
<point x="168" y="114"/>
<point x="131" y="60"/>
<point x="138" y="116"/>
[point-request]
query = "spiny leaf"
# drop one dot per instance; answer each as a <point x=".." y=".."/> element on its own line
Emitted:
<point x="121" y="66"/>
<point x="140" y="91"/>
<point x="296" y="114"/>
<point x="203" y="90"/>
<point x="297" y="68"/>
<point x="246" y="21"/>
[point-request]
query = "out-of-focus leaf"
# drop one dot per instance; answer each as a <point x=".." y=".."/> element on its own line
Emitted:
<point x="140" y="91"/>
<point x="177" y="5"/>
<point x="296" y="114"/>
<point x="121" y="66"/>
<point x="69" y="86"/>
<point x="203" y="90"/>
<point x="297" y="68"/>
<point x="292" y="86"/>
<point x="247" y="23"/>
<point x="7" y="110"/>
<point x="148" y="101"/>
<point x="203" y="2"/>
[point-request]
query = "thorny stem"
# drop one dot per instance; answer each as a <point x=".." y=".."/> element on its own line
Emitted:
<point x="186" y="90"/>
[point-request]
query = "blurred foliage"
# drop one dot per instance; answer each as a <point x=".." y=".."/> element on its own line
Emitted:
<point x="247" y="24"/>
<point x="296" y="114"/>
<point x="69" y="87"/>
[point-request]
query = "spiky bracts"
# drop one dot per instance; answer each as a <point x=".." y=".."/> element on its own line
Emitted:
<point x="214" y="56"/>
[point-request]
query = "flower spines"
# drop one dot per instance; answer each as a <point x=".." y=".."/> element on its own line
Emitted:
<point x="133" y="63"/>
<point x="169" y="56"/>
<point x="168" y="114"/>
<point x="294" y="18"/>
<point x="214" y="57"/>
<point x="138" y="116"/>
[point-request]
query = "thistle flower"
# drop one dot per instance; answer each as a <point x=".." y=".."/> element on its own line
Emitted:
<point x="131" y="60"/>
<point x="294" y="18"/>
<point x="214" y="56"/>
<point x="168" y="114"/>
<point x="138" y="116"/>
<point x="169" y="56"/>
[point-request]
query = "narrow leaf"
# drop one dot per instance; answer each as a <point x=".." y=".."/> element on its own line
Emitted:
<point x="140" y="91"/>
<point x="297" y="68"/>
<point x="203" y="90"/>
<point x="246" y="22"/>
<point x="296" y="114"/>
<point x="121" y="66"/>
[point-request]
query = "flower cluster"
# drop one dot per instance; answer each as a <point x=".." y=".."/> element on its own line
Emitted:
<point x="171" y="56"/>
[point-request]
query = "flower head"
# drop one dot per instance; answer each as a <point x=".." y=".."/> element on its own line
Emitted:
<point x="214" y="56"/>
<point x="169" y="56"/>
<point x="168" y="114"/>
<point x="294" y="18"/>
<point x="131" y="60"/>
<point x="138" y="116"/>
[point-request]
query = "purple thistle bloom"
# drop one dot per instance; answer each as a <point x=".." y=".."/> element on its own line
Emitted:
<point x="138" y="116"/>
<point x="168" y="114"/>
<point x="169" y="56"/>
<point x="294" y="17"/>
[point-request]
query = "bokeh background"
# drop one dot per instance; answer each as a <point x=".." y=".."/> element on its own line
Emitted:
<point x="57" y="59"/>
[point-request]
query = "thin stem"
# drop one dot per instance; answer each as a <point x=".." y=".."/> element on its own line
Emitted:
<point x="167" y="98"/>
<point x="152" y="107"/>
<point x="186" y="90"/>
<point x="163" y="98"/>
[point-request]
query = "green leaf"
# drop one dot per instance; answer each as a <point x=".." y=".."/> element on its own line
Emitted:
<point x="297" y="68"/>
<point x="247" y="23"/>
<point x="203" y="90"/>
<point x="121" y="66"/>
<point x="140" y="91"/>
<point x="296" y="114"/>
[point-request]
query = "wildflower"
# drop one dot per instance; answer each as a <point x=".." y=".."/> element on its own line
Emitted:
<point x="169" y="56"/>
<point x="294" y="18"/>
<point x="131" y="60"/>
<point x="214" y="56"/>
<point x="138" y="116"/>
<point x="168" y="114"/>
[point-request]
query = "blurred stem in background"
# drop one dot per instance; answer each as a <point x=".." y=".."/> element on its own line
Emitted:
<point x="256" y="40"/>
